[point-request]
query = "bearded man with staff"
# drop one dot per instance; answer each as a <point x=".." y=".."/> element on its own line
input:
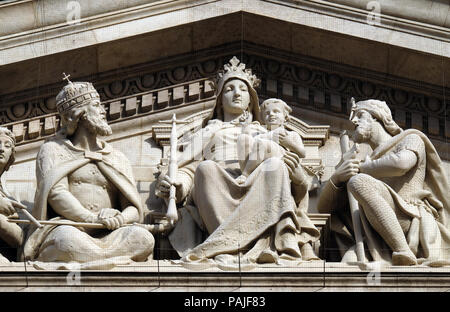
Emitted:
<point x="82" y="179"/>
<point x="401" y="188"/>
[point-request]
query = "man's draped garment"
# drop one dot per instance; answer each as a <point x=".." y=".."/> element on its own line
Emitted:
<point x="56" y="160"/>
<point x="421" y="196"/>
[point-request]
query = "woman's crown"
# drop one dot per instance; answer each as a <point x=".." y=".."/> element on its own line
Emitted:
<point x="235" y="70"/>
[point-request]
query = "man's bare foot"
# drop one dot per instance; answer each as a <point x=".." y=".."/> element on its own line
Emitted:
<point x="404" y="258"/>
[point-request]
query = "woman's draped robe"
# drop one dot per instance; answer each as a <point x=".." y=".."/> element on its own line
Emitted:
<point x="260" y="219"/>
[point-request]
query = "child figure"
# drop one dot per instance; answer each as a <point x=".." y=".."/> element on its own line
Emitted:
<point x="274" y="143"/>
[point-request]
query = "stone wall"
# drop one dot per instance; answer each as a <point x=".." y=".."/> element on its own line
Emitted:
<point x="149" y="59"/>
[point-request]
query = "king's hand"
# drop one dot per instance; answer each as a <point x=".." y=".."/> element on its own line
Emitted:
<point x="111" y="218"/>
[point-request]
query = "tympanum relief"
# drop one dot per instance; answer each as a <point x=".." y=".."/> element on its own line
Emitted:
<point x="239" y="187"/>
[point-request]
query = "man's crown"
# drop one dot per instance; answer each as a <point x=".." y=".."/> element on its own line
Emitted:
<point x="75" y="94"/>
<point x="234" y="70"/>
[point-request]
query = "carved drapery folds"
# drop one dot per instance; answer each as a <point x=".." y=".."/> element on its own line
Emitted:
<point x="300" y="83"/>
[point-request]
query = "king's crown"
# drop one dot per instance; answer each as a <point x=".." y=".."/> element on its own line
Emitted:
<point x="75" y="94"/>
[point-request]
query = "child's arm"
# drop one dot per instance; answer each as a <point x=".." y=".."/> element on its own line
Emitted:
<point x="292" y="141"/>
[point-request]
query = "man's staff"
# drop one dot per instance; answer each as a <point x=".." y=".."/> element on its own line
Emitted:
<point x="154" y="228"/>
<point x="354" y="208"/>
<point x="18" y="206"/>
<point x="173" y="168"/>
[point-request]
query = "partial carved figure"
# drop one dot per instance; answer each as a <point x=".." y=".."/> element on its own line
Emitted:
<point x="401" y="188"/>
<point x="81" y="178"/>
<point x="259" y="220"/>
<point x="11" y="234"/>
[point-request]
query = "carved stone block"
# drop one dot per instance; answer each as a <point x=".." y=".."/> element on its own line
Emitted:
<point x="147" y="102"/>
<point x="163" y="98"/>
<point x="34" y="128"/>
<point x="303" y="93"/>
<point x="50" y="125"/>
<point x="114" y="110"/>
<point x="271" y="87"/>
<point x="178" y="95"/>
<point x="287" y="90"/>
<point x="319" y="98"/>
<point x="130" y="106"/>
<point x="17" y="129"/>
<point x="335" y="101"/>
<point x="208" y="89"/>
<point x="194" y="91"/>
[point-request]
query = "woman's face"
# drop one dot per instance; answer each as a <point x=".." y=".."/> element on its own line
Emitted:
<point x="235" y="97"/>
<point x="6" y="149"/>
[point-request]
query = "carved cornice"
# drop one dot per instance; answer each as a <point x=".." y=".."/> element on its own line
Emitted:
<point x="311" y="135"/>
<point x="420" y="19"/>
<point x="44" y="23"/>
<point x="120" y="109"/>
<point x="425" y="12"/>
<point x="301" y="81"/>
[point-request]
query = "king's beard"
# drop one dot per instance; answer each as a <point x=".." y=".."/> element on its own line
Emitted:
<point x="97" y="125"/>
<point x="362" y="133"/>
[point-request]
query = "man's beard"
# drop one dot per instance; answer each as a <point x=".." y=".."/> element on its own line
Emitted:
<point x="362" y="133"/>
<point x="97" y="125"/>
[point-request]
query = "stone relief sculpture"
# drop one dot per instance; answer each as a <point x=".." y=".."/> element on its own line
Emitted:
<point x="402" y="191"/>
<point x="241" y="185"/>
<point x="261" y="219"/>
<point x="274" y="113"/>
<point x="10" y="233"/>
<point x="81" y="178"/>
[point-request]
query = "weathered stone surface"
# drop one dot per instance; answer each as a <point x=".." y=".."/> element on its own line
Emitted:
<point x="95" y="187"/>
<point x="379" y="203"/>
<point x="149" y="60"/>
<point x="146" y="277"/>
<point x="11" y="234"/>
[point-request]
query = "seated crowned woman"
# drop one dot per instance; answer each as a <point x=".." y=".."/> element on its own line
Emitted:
<point x="260" y="221"/>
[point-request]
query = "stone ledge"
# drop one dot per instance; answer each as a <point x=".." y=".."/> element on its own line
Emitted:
<point x="310" y="276"/>
<point x="430" y="12"/>
<point x="152" y="17"/>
